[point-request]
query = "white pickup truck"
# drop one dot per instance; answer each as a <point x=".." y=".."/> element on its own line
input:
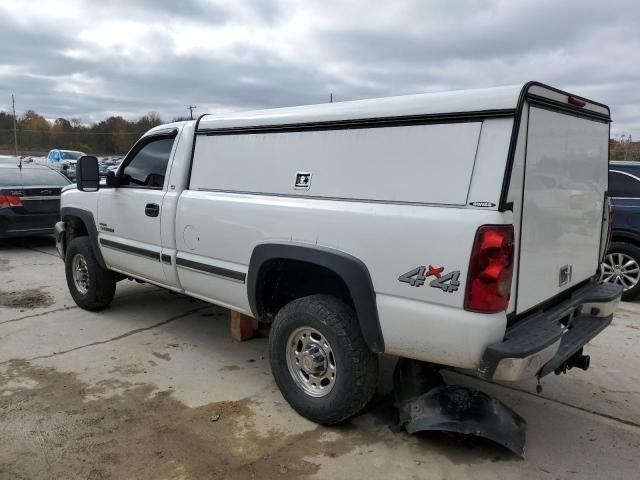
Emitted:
<point x="464" y="229"/>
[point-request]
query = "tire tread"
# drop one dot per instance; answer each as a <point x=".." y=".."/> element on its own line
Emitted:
<point x="102" y="282"/>
<point x="339" y="319"/>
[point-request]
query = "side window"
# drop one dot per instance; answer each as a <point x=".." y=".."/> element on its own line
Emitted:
<point x="148" y="166"/>
<point x="622" y="185"/>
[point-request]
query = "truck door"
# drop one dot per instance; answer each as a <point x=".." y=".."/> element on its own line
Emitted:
<point x="129" y="214"/>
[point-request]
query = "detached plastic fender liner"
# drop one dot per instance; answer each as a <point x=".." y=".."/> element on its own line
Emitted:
<point x="425" y="402"/>
<point x="453" y="408"/>
<point x="87" y="218"/>
<point x="353" y="272"/>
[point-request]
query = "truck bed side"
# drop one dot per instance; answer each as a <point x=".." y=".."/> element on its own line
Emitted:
<point x="392" y="234"/>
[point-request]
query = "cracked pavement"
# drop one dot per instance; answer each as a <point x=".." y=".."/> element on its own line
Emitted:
<point x="130" y="392"/>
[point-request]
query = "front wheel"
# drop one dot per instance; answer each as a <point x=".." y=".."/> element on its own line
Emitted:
<point x="91" y="286"/>
<point x="621" y="265"/>
<point x="320" y="360"/>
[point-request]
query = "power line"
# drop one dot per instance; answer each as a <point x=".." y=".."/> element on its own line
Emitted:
<point x="49" y="132"/>
<point x="15" y="123"/>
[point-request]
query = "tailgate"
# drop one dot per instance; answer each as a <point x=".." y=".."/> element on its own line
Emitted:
<point x="566" y="177"/>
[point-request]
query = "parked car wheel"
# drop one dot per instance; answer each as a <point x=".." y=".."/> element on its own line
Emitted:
<point x="320" y="360"/>
<point x="621" y="265"/>
<point x="91" y="286"/>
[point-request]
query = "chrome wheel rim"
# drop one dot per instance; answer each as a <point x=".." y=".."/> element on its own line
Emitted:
<point x="311" y="362"/>
<point x="80" y="273"/>
<point x="622" y="269"/>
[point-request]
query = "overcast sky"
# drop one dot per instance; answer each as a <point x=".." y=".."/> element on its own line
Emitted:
<point x="93" y="59"/>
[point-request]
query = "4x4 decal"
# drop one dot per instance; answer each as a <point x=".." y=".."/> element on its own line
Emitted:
<point x="446" y="282"/>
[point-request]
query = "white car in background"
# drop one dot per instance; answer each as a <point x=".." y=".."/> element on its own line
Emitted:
<point x="65" y="160"/>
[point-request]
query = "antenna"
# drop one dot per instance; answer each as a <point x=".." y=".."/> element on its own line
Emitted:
<point x="15" y="125"/>
<point x="191" y="109"/>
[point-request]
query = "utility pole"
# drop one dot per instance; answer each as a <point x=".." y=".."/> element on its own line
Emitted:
<point x="15" y="123"/>
<point x="191" y="108"/>
<point x="330" y="97"/>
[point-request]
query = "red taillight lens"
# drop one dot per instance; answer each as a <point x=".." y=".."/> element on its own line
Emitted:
<point x="7" y="201"/>
<point x="490" y="270"/>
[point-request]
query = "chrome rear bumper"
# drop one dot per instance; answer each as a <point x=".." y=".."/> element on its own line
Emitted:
<point x="542" y="342"/>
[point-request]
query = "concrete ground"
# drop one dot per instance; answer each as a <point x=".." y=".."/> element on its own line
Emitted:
<point x="130" y="392"/>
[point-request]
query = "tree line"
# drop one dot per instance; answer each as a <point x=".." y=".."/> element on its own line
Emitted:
<point x="622" y="147"/>
<point x="37" y="135"/>
<point x="116" y="135"/>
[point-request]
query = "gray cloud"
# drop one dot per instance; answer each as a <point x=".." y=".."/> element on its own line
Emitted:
<point x="93" y="59"/>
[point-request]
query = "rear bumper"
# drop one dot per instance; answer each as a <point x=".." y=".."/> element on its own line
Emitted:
<point x="23" y="225"/>
<point x="544" y="341"/>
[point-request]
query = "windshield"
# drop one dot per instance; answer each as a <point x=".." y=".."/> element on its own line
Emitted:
<point x="69" y="155"/>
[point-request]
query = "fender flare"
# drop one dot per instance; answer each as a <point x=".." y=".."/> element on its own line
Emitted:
<point x="87" y="218"/>
<point x="353" y="272"/>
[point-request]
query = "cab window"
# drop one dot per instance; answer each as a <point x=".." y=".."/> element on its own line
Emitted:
<point x="148" y="165"/>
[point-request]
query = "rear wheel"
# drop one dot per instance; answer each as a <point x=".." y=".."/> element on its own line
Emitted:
<point x="91" y="286"/>
<point x="320" y="360"/>
<point x="621" y="265"/>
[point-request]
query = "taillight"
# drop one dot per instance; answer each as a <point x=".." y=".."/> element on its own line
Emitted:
<point x="7" y="201"/>
<point x="490" y="270"/>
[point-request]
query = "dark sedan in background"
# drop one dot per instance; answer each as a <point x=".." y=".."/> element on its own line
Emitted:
<point x="29" y="198"/>
<point x="622" y="262"/>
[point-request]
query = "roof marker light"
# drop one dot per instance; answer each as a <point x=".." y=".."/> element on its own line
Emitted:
<point x="576" y="101"/>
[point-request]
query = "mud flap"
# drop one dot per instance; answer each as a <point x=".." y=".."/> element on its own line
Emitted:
<point x="454" y="408"/>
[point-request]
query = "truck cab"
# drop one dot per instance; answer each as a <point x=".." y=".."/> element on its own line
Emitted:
<point x="462" y="229"/>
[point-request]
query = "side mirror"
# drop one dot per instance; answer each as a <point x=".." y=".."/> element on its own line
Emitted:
<point x="87" y="174"/>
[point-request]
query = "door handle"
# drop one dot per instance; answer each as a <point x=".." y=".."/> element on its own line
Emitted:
<point x="152" y="209"/>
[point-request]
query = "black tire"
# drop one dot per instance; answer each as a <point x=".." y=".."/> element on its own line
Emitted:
<point x="356" y="365"/>
<point x="101" y="282"/>
<point x="632" y="251"/>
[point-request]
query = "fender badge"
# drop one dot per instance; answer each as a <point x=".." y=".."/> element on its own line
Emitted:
<point x="447" y="283"/>
<point x="482" y="204"/>
<point x="105" y="228"/>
